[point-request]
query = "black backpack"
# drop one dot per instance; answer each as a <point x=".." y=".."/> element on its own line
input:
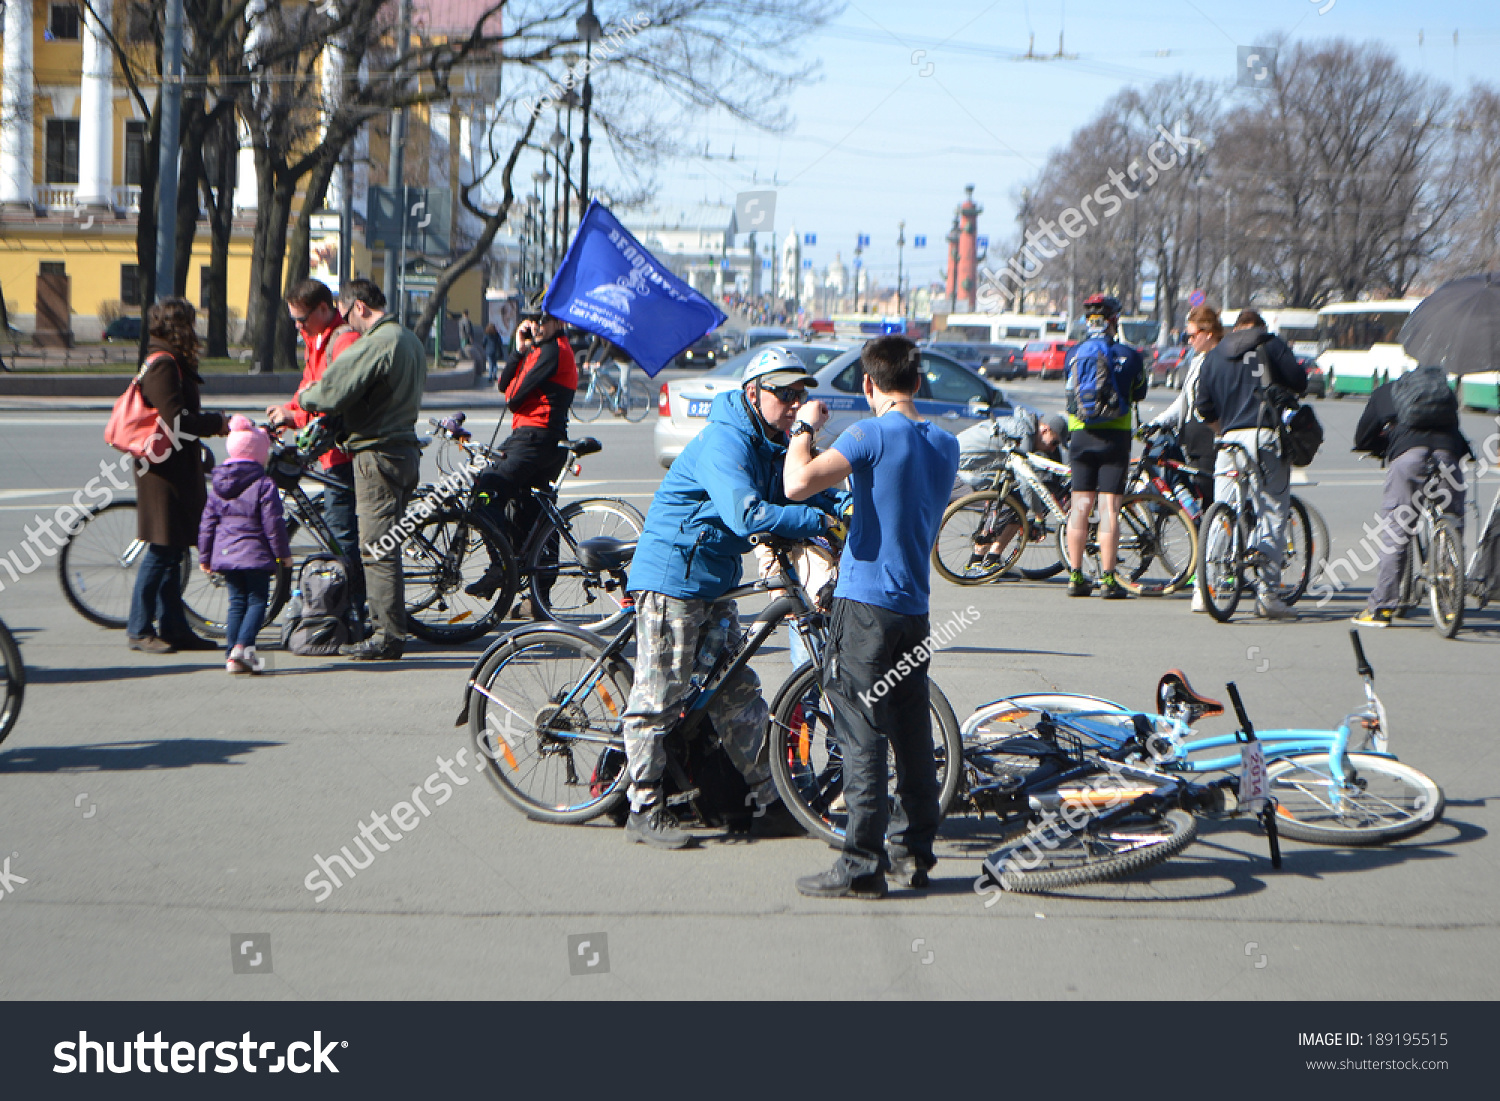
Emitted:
<point x="1297" y="426"/>
<point x="1424" y="400"/>
<point x="317" y="617"/>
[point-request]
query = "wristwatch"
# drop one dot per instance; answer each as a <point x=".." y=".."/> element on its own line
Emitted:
<point x="801" y="428"/>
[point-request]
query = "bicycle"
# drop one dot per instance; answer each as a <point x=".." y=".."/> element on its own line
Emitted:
<point x="545" y="704"/>
<point x="1336" y="787"/>
<point x="97" y="565"/>
<point x="12" y="679"/>
<point x="1434" y="566"/>
<point x="452" y="543"/>
<point x="1482" y="575"/>
<point x="1161" y="468"/>
<point x="631" y="400"/>
<point x="997" y="516"/>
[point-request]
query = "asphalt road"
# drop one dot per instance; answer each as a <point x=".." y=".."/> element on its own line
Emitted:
<point x="160" y="812"/>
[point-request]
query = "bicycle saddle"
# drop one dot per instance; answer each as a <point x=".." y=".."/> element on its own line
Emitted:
<point x="1175" y="695"/>
<point x="586" y="446"/>
<point x="603" y="553"/>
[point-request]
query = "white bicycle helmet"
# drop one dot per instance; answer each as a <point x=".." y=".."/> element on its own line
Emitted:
<point x="775" y="366"/>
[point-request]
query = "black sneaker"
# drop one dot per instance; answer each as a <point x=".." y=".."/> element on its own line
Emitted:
<point x="836" y="882"/>
<point x="485" y="587"/>
<point x="1111" y="589"/>
<point x="656" y="826"/>
<point x="190" y="641"/>
<point x="373" y="650"/>
<point x="909" y="873"/>
<point x="1078" y="585"/>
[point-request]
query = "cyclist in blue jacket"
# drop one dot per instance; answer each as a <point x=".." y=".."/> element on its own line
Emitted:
<point x="725" y="487"/>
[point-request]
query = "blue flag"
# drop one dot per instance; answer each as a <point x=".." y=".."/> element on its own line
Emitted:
<point x="609" y="285"/>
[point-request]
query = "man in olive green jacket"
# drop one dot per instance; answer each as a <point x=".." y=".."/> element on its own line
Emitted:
<point x="376" y="386"/>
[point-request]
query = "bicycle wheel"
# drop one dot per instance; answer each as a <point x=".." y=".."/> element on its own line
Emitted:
<point x="588" y="403"/>
<point x="439" y="560"/>
<point x="1301" y="553"/>
<point x="1040" y="558"/>
<point x="1158" y="545"/>
<point x="550" y="729"/>
<point x="561" y="589"/>
<point x="808" y="766"/>
<point x="1445" y="579"/>
<point x="1382" y="800"/>
<point x="205" y="596"/>
<point x="971" y="526"/>
<point x="1221" y="567"/>
<point x="637" y="401"/>
<point x="12" y="681"/>
<point x="96" y="566"/>
<point x="1043" y="862"/>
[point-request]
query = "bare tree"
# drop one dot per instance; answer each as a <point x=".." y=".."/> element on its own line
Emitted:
<point x="1472" y="242"/>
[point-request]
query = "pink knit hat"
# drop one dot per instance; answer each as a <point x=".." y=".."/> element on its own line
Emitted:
<point x="246" y="442"/>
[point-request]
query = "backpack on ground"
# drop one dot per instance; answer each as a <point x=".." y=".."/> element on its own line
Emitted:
<point x="1092" y="396"/>
<point x="317" y="618"/>
<point x="1424" y="400"/>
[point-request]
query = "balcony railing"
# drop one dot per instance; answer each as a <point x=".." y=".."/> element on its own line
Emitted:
<point x="56" y="198"/>
<point x="128" y="199"/>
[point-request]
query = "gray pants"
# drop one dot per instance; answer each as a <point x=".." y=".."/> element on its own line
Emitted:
<point x="1274" y="503"/>
<point x="1398" y="515"/>
<point x="674" y="640"/>
<point x="383" y="484"/>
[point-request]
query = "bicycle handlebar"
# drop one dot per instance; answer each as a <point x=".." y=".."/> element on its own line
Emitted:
<point x="1239" y="711"/>
<point x="1361" y="663"/>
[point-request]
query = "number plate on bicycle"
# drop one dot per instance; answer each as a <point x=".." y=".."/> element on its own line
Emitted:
<point x="1255" y="785"/>
<point x="699" y="408"/>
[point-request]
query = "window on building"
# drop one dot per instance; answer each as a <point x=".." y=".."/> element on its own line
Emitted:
<point x="62" y="151"/>
<point x="130" y="284"/>
<point x="138" y="25"/>
<point x="135" y="152"/>
<point x="52" y="267"/>
<point x="63" y="23"/>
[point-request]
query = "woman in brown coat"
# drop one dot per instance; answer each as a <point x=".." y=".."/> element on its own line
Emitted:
<point x="170" y="494"/>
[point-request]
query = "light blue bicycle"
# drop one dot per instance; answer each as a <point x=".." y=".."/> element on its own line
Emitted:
<point x="1330" y="787"/>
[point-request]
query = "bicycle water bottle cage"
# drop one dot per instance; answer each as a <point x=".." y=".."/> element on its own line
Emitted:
<point x="1176" y="699"/>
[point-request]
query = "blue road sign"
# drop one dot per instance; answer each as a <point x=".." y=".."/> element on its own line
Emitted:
<point x="984" y="242"/>
<point x="1196" y="299"/>
<point x="919" y="241"/>
<point x="807" y="265"/>
<point x="864" y="240"/>
<point x="765" y="264"/>
<point x="809" y="238"/>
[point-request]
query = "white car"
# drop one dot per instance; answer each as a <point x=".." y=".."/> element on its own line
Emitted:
<point x="951" y="395"/>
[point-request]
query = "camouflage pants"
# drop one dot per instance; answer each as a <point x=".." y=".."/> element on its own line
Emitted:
<point x="674" y="640"/>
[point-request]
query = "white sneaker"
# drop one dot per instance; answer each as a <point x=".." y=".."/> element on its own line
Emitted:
<point x="1270" y="606"/>
<point x="1198" y="604"/>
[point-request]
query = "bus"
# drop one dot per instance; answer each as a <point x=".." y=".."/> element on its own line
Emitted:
<point x="1002" y="328"/>
<point x="1480" y="392"/>
<point x="1299" y="328"/>
<point x="1361" y="344"/>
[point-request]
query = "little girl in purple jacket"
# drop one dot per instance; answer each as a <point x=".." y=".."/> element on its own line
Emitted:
<point x="243" y="537"/>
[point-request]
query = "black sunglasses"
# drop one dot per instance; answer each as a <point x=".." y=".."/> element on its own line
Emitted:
<point x="788" y="395"/>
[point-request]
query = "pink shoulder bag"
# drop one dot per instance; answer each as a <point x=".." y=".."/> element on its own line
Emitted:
<point x="134" y="426"/>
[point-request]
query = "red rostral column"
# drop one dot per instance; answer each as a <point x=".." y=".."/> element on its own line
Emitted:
<point x="968" y="250"/>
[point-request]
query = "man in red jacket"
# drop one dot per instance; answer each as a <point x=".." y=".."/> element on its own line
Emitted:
<point x="539" y="382"/>
<point x="326" y="334"/>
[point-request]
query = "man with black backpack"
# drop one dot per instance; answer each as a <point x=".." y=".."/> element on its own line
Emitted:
<point x="1403" y="423"/>
<point x="1242" y="385"/>
<point x="1103" y="380"/>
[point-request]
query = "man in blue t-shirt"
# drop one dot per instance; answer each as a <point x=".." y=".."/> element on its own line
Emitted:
<point x="875" y="672"/>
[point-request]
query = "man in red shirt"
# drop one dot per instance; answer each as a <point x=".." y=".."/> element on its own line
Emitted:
<point x="325" y="333"/>
<point x="539" y="382"/>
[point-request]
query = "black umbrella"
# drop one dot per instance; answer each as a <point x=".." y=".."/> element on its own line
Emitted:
<point x="1457" y="326"/>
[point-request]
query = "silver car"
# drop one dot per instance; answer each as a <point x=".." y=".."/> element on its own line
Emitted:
<point x="951" y="395"/>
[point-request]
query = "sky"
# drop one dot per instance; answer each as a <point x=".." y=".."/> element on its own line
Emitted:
<point x="914" y="101"/>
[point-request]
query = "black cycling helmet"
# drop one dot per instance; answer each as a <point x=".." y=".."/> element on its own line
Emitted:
<point x="1101" y="305"/>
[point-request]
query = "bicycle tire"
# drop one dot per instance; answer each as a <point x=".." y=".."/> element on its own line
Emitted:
<point x="1041" y="558"/>
<point x="1445" y="579"/>
<point x="438" y="560"/>
<point x="1158" y="545"/>
<point x="1300" y="538"/>
<point x="637" y="401"/>
<point x="205" y="597"/>
<point x="965" y="526"/>
<point x="96" y="567"/>
<point x="807" y="767"/>
<point x="526" y="678"/>
<point x="1176" y="831"/>
<point x="1221" y="561"/>
<point x="563" y="591"/>
<point x="588" y="403"/>
<point x="1407" y="803"/>
<point x="13" y="675"/>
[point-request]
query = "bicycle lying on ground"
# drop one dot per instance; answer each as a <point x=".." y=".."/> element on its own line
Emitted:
<point x="454" y="543"/>
<point x="12" y="681"/>
<point x="545" y="704"/>
<point x="632" y="400"/>
<point x="1127" y="778"/>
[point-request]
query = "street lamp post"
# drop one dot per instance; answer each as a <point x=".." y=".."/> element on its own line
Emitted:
<point x="590" y="31"/>
<point x="540" y="179"/>
<point x="900" y="246"/>
<point x="1227" y="268"/>
<point x="857" y="251"/>
<point x="556" y="142"/>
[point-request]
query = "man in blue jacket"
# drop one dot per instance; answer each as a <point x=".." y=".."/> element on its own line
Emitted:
<point x="723" y="488"/>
